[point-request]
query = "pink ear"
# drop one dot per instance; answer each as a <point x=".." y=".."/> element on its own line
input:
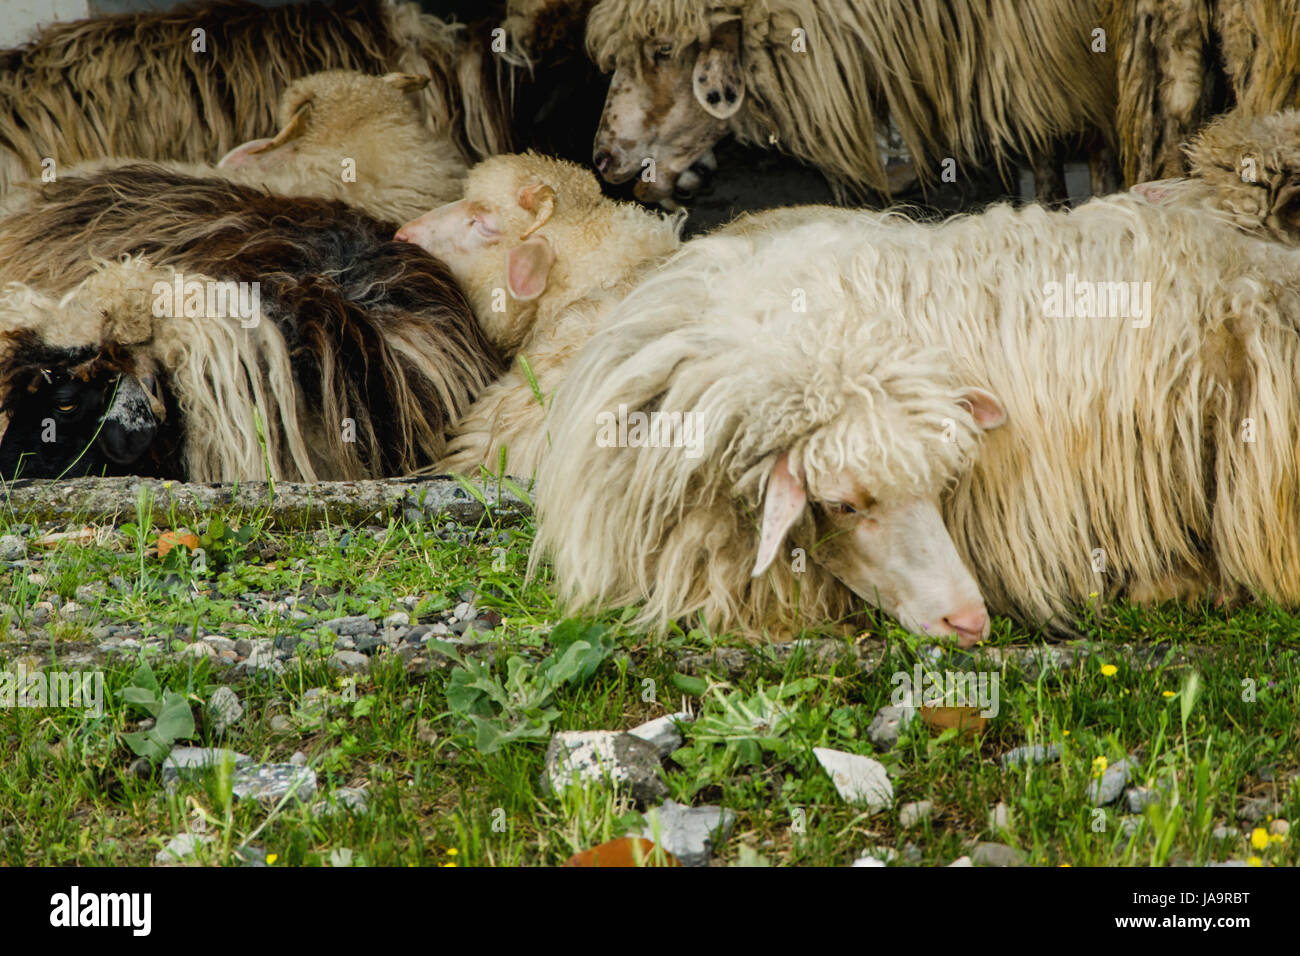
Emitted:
<point x="783" y="504"/>
<point x="984" y="408"/>
<point x="242" y="155"/>
<point x="527" y="266"/>
<point x="1157" y="190"/>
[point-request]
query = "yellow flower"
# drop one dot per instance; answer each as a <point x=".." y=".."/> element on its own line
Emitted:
<point x="271" y="858"/>
<point x="1099" y="764"/>
<point x="453" y="863"/>
<point x="1166" y="694"/>
<point x="1277" y="838"/>
<point x="452" y="851"/>
<point x="1065" y="733"/>
<point x="1259" y="838"/>
<point x="1109" y="670"/>
<point x="1255" y="861"/>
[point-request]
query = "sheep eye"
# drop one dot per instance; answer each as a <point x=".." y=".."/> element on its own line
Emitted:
<point x="663" y="51"/>
<point x="72" y="406"/>
<point x="842" y="508"/>
<point x="483" y="229"/>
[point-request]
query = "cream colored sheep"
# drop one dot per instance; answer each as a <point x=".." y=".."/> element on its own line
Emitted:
<point x="542" y="255"/>
<point x="343" y="135"/>
<point x="1147" y="357"/>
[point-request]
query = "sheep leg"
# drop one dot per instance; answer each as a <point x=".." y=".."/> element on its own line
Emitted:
<point x="1049" y="177"/>
<point x="1103" y="167"/>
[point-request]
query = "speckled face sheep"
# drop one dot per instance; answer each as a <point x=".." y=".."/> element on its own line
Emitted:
<point x="970" y="81"/>
<point x="542" y="256"/>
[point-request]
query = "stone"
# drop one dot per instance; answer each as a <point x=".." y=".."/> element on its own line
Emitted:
<point x="888" y="724"/>
<point x="281" y="724"/>
<point x="999" y="817"/>
<point x="351" y="626"/>
<point x="188" y="763"/>
<point x="1035" y="753"/>
<point x="662" y="732"/>
<point x="1139" y="798"/>
<point x="858" y="779"/>
<point x="269" y="783"/>
<point x="349" y="662"/>
<point x="996" y="854"/>
<point x="1280" y="827"/>
<point x="913" y="813"/>
<point x="181" y="846"/>
<point x="877" y="856"/>
<point x="688" y="833"/>
<point x="1111" y="784"/>
<point x="224" y="709"/>
<point x="961" y="861"/>
<point x="585" y="757"/>
<point x="397" y="619"/>
<point x="1255" y="809"/>
<point x="1225" y="833"/>
<point x="13" y="547"/>
<point x="199" y="650"/>
<point x="343" y="800"/>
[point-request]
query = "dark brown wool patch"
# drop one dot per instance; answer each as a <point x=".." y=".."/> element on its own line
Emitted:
<point x="341" y="292"/>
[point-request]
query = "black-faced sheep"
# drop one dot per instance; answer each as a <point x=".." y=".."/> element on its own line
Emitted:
<point x="542" y="256"/>
<point x="970" y="81"/>
<point x="380" y="346"/>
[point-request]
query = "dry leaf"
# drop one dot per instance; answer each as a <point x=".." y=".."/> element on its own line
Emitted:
<point x="83" y="537"/>
<point x="624" y="851"/>
<point x="170" y="539"/>
<point x="965" y="720"/>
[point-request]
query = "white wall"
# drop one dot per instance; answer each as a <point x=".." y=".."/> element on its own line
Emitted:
<point x="18" y="17"/>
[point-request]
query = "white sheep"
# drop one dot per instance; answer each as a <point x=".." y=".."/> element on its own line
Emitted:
<point x="542" y="255"/>
<point x="1146" y="356"/>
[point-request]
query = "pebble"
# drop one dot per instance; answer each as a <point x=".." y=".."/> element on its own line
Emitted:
<point x="268" y="783"/>
<point x="1113" y="780"/>
<point x="1279" y="827"/>
<point x="688" y="833"/>
<point x="397" y="619"/>
<point x="961" y="861"/>
<point x="584" y="757"/>
<point x="465" y="612"/>
<point x="888" y="723"/>
<point x="858" y="779"/>
<point x="13" y="547"/>
<point x="996" y="854"/>
<point x="1255" y="809"/>
<point x="351" y="626"/>
<point x="1225" y="833"/>
<point x="343" y="800"/>
<point x="1139" y="798"/>
<point x="199" y="649"/>
<point x="662" y="732"/>
<point x="913" y="813"/>
<point x="191" y="762"/>
<point x="219" y="644"/>
<point x="181" y="846"/>
<point x="1036" y="753"/>
<point x="999" y="817"/>
<point x="349" y="662"/>
<point x="281" y="724"/>
<point x="224" y="709"/>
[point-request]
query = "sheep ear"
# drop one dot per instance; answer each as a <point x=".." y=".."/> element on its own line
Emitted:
<point x="782" y="506"/>
<point x="406" y="82"/>
<point x="984" y="408"/>
<point x="718" y="81"/>
<point x="1285" y="214"/>
<point x="527" y="266"/>
<point x="243" y="155"/>
<point x="1157" y="191"/>
<point x="296" y="126"/>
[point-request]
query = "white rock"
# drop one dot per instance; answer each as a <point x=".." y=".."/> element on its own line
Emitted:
<point x="662" y="732"/>
<point x="913" y="813"/>
<point x="181" y="846"/>
<point x="858" y="779"/>
<point x="961" y="861"/>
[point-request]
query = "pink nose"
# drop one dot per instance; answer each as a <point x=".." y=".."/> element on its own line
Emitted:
<point x="402" y="235"/>
<point x="970" y="624"/>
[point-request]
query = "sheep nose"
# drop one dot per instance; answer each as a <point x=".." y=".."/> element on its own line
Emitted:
<point x="970" y="624"/>
<point x="603" y="160"/>
<point x="402" y="235"/>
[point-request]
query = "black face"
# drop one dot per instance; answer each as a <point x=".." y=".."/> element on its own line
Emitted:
<point x="69" y="427"/>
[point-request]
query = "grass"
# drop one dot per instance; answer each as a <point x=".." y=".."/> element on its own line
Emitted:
<point x="1210" y="721"/>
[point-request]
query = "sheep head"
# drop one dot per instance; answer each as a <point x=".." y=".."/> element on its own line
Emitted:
<point x="670" y="100"/>
<point x="531" y="232"/>
<point x="338" y="117"/>
<point x="857" y="483"/>
<point x="80" y="392"/>
<point x="1251" y="167"/>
